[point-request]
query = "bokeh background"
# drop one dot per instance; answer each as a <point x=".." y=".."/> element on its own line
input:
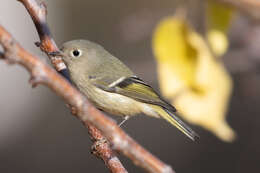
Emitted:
<point x="38" y="133"/>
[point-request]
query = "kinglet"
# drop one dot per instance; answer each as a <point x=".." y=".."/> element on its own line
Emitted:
<point x="112" y="87"/>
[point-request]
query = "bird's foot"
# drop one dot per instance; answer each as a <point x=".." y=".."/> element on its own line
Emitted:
<point x="124" y="120"/>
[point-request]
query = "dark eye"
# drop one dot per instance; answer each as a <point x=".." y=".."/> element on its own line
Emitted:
<point x="76" y="53"/>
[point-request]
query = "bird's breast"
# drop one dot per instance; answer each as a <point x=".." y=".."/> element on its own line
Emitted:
<point x="115" y="103"/>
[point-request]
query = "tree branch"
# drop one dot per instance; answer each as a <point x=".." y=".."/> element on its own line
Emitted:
<point x="38" y="12"/>
<point x="88" y="114"/>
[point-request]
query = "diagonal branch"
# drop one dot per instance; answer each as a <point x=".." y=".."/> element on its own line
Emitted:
<point x="43" y="74"/>
<point x="89" y="115"/>
<point x="38" y="12"/>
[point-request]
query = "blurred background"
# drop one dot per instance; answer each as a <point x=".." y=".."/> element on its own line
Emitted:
<point x="38" y="133"/>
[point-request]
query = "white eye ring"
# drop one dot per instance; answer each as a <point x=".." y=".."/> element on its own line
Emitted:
<point x="76" y="53"/>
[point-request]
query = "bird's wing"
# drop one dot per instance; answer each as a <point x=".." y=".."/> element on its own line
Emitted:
<point x="137" y="89"/>
<point x="134" y="88"/>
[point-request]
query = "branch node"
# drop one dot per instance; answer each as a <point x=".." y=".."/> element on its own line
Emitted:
<point x="34" y="81"/>
<point x="42" y="13"/>
<point x="37" y="44"/>
<point x="10" y="50"/>
<point x="2" y="56"/>
<point x="100" y="148"/>
<point x="73" y="110"/>
<point x="43" y="7"/>
<point x="37" y="75"/>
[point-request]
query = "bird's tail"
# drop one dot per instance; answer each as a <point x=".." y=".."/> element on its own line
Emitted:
<point x="174" y="120"/>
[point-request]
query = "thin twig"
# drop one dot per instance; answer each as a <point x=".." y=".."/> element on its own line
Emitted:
<point x="43" y="74"/>
<point x="102" y="150"/>
<point x="38" y="12"/>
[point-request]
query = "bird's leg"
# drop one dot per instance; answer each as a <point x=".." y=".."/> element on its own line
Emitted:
<point x="124" y="120"/>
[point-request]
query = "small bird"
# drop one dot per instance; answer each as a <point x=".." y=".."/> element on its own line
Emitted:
<point x="112" y="87"/>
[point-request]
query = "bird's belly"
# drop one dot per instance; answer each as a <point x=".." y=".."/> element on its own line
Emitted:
<point x="115" y="103"/>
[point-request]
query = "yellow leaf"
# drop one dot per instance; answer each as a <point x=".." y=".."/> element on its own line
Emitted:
<point x="218" y="22"/>
<point x="197" y="84"/>
<point x="218" y="41"/>
<point x="178" y="40"/>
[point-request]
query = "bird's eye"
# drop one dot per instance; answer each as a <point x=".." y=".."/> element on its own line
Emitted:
<point x="76" y="53"/>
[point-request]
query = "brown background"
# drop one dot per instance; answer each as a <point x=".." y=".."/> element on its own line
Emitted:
<point x="38" y="134"/>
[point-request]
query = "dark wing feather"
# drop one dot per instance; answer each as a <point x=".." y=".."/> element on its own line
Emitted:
<point x="137" y="89"/>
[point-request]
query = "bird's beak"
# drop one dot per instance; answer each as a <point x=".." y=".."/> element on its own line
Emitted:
<point x="56" y="53"/>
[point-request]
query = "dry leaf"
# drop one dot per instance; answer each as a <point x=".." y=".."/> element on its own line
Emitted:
<point x="190" y="76"/>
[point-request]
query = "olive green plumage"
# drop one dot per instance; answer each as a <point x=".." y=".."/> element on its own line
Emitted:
<point x="112" y="86"/>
